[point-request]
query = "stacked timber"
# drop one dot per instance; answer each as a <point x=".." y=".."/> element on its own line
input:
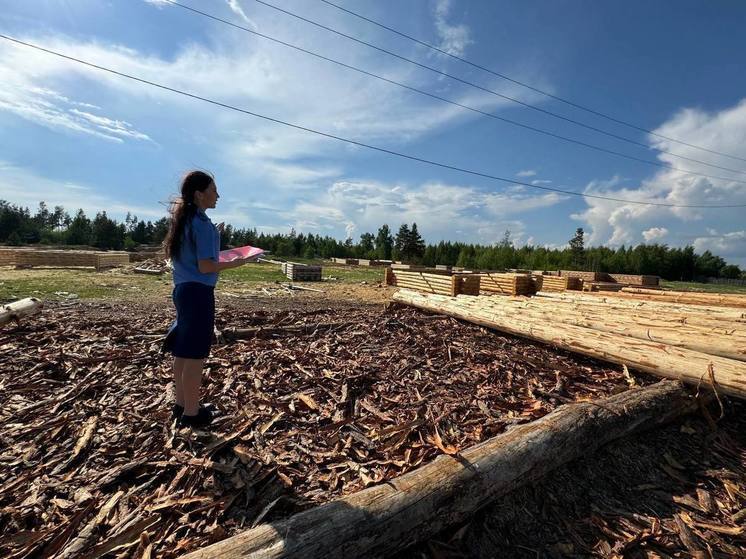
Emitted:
<point x="505" y="284"/>
<point x="635" y="280"/>
<point x="557" y="283"/>
<point x="347" y="261"/>
<point x="29" y="258"/>
<point x="585" y="276"/>
<point x="641" y="306"/>
<point x="443" y="267"/>
<point x="715" y="337"/>
<point x="111" y="259"/>
<point x="8" y="257"/>
<point x="654" y="357"/>
<point x="687" y="297"/>
<point x="465" y="284"/>
<point x="301" y="272"/>
<point x="603" y="286"/>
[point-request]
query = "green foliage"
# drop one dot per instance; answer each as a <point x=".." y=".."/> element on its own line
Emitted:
<point x="19" y="226"/>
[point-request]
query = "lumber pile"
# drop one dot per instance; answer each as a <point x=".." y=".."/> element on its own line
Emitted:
<point x="347" y="261"/>
<point x="301" y="272"/>
<point x="384" y="519"/>
<point x="603" y="286"/>
<point x="8" y="257"/>
<point x="615" y="301"/>
<point x="631" y="279"/>
<point x="442" y="283"/>
<point x="505" y="284"/>
<point x="585" y="276"/>
<point x="29" y="258"/>
<point x="623" y="343"/>
<point x="557" y="283"/>
<point x="687" y="297"/>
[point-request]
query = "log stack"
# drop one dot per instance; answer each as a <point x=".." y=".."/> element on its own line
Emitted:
<point x="686" y="297"/>
<point x="557" y="283"/>
<point x="301" y="272"/>
<point x="505" y="284"/>
<point x="443" y="284"/>
<point x="616" y="344"/>
<point x="631" y="279"/>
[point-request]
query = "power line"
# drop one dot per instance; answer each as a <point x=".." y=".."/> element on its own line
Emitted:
<point x="355" y="142"/>
<point x="528" y="86"/>
<point x="482" y="88"/>
<point x="445" y="100"/>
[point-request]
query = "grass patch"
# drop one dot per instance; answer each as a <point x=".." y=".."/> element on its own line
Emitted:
<point x="60" y="284"/>
<point x="707" y="287"/>
<point x="86" y="284"/>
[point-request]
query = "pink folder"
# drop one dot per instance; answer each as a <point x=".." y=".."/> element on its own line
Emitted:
<point x="239" y="253"/>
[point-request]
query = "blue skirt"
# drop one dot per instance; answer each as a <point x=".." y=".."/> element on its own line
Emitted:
<point x="190" y="336"/>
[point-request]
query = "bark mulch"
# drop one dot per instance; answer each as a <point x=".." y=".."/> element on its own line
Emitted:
<point x="91" y="464"/>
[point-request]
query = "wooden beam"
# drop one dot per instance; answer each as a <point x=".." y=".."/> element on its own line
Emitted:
<point x="390" y="517"/>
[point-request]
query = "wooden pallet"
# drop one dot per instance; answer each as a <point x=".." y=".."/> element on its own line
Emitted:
<point x="505" y="284"/>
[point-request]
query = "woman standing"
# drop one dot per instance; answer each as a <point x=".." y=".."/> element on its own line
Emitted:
<point x="193" y="244"/>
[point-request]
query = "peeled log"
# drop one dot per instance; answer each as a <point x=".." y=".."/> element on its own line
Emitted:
<point x="727" y="313"/>
<point x="687" y="297"/>
<point x="19" y="309"/>
<point x="713" y="339"/>
<point x="381" y="520"/>
<point x="658" y="359"/>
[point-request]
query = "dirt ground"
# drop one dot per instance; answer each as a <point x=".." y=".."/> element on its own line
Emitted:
<point x="360" y="393"/>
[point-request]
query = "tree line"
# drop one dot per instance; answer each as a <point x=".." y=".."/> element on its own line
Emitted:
<point x="19" y="226"/>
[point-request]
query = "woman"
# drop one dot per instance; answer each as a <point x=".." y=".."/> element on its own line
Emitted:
<point x="193" y="244"/>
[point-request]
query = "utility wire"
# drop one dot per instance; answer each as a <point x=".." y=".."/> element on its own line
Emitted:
<point x="355" y="142"/>
<point x="482" y="88"/>
<point x="524" y="84"/>
<point x="449" y="101"/>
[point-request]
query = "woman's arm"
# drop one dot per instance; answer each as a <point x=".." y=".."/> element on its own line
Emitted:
<point x="209" y="266"/>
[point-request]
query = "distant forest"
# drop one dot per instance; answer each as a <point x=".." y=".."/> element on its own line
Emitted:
<point x="19" y="226"/>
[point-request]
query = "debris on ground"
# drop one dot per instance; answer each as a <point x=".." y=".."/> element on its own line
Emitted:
<point x="91" y="457"/>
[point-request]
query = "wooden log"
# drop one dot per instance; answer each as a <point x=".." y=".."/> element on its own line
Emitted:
<point x="19" y="309"/>
<point x="658" y="359"/>
<point x="713" y="340"/>
<point x="384" y="519"/>
<point x="663" y="306"/>
<point x="688" y="297"/>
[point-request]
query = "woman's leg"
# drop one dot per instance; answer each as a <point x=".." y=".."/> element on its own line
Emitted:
<point x="179" y="381"/>
<point x="191" y="381"/>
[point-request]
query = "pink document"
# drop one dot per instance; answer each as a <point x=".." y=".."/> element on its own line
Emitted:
<point x="239" y="253"/>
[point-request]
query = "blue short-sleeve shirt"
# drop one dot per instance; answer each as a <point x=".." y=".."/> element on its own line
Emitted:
<point x="201" y="241"/>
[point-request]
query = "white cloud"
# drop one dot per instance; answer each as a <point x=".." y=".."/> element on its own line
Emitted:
<point x="526" y="173"/>
<point x="540" y="182"/>
<point x="616" y="223"/>
<point x="236" y="7"/>
<point x="728" y="245"/>
<point x="454" y="39"/>
<point x="654" y="234"/>
<point x="441" y="211"/>
<point x="24" y="187"/>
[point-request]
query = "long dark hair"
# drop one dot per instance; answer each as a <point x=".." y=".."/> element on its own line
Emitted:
<point x="183" y="209"/>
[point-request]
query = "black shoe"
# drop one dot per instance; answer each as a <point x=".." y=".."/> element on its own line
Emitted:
<point x="202" y="419"/>
<point x="177" y="411"/>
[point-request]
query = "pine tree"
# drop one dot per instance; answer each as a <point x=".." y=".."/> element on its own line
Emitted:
<point x="577" y="249"/>
<point x="401" y="242"/>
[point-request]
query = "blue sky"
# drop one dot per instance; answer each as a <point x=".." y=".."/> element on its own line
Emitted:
<point x="81" y="138"/>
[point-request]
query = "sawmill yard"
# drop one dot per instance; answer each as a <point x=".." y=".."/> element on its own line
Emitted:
<point x="414" y="423"/>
